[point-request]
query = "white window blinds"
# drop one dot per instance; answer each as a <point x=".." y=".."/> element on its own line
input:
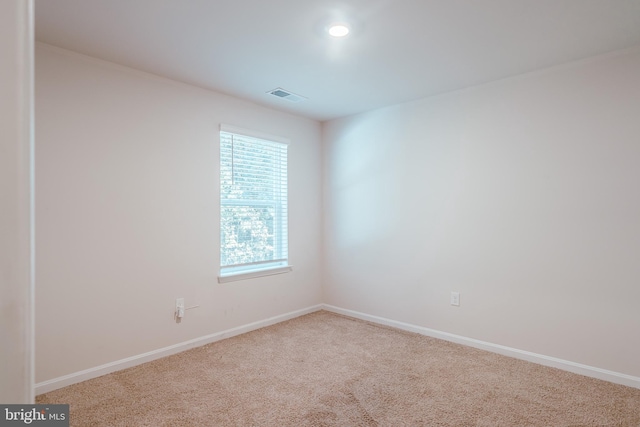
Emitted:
<point x="253" y="203"/>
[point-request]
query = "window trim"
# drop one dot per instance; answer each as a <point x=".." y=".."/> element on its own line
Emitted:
<point x="272" y="268"/>
<point x="253" y="134"/>
<point x="232" y="277"/>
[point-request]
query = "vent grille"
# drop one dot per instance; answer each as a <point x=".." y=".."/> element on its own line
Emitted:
<point x="285" y="94"/>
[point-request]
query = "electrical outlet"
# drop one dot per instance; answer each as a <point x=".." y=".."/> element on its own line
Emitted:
<point x="179" y="308"/>
<point x="455" y="298"/>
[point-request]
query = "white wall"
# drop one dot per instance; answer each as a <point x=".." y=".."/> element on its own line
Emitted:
<point x="521" y="194"/>
<point x="128" y="213"/>
<point x="16" y="141"/>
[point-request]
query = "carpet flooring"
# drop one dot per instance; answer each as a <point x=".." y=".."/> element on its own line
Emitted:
<point x="324" y="369"/>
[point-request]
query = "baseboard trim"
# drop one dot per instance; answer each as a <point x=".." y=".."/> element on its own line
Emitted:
<point x="87" y="374"/>
<point x="566" y="365"/>
<point x="98" y="371"/>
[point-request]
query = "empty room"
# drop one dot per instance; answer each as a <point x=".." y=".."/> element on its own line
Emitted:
<point x="321" y="213"/>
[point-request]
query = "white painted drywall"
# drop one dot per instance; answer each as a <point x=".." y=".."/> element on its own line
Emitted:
<point x="16" y="141"/>
<point x="523" y="195"/>
<point x="128" y="213"/>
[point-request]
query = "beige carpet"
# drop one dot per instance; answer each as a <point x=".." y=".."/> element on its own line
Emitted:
<point x="328" y="370"/>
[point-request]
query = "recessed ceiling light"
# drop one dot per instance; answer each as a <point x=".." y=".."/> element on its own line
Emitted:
<point x="338" y="30"/>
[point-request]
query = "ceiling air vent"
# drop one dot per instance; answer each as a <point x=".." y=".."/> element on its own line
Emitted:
<point x="285" y="94"/>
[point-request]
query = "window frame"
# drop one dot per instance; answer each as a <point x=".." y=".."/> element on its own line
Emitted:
<point x="242" y="272"/>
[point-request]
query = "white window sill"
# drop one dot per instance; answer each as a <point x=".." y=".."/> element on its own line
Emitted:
<point x="232" y="277"/>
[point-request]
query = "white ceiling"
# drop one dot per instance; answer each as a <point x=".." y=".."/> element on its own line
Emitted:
<point x="398" y="50"/>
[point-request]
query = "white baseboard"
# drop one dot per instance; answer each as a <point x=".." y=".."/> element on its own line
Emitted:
<point x="87" y="374"/>
<point x="577" y="368"/>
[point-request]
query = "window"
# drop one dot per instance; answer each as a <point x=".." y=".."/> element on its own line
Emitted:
<point x="253" y="205"/>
